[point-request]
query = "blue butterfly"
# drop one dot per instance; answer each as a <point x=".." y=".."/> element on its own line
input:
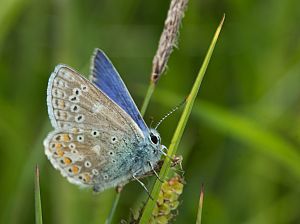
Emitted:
<point x="100" y="139"/>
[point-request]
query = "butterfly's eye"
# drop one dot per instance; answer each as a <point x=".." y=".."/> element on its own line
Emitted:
<point x="154" y="139"/>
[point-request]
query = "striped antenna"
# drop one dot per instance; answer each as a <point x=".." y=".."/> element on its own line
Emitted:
<point x="171" y="112"/>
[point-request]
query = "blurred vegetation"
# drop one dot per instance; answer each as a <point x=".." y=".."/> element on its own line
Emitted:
<point x="242" y="140"/>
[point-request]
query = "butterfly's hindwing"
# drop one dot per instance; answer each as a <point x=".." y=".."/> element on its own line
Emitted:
<point x="89" y="158"/>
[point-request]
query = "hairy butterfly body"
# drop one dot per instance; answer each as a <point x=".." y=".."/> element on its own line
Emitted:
<point x="99" y="139"/>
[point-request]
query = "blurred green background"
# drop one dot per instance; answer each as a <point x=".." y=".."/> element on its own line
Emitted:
<point x="242" y="140"/>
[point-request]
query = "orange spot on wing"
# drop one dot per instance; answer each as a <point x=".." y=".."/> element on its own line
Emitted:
<point x="75" y="169"/>
<point x="58" y="145"/>
<point x="66" y="138"/>
<point x="60" y="152"/>
<point x="67" y="160"/>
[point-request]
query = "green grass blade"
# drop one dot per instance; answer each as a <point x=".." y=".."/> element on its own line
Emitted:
<point x="199" y="214"/>
<point x="180" y="128"/>
<point x="37" y="194"/>
<point x="113" y="208"/>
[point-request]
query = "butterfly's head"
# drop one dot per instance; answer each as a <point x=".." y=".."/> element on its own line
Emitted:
<point x="157" y="148"/>
<point x="154" y="137"/>
<point x="155" y="142"/>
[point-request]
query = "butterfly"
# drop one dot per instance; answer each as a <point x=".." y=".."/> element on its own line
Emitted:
<point x="100" y="139"/>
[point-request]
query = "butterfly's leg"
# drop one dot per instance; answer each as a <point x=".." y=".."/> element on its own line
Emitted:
<point x="164" y="153"/>
<point x="156" y="174"/>
<point x="175" y="160"/>
<point x="164" y="148"/>
<point x="143" y="185"/>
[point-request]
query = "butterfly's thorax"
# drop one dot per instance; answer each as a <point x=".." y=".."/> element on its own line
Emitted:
<point x="146" y="153"/>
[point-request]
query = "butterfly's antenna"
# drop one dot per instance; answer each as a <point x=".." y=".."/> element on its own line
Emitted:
<point x="171" y="112"/>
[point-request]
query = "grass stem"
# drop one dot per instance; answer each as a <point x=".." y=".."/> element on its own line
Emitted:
<point x="113" y="208"/>
<point x="199" y="214"/>
<point x="147" y="98"/>
<point x="38" y="206"/>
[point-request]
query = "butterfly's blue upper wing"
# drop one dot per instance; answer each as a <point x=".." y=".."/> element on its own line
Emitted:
<point x="108" y="80"/>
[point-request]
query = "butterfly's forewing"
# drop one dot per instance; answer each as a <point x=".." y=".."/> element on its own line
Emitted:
<point x="74" y="102"/>
<point x="91" y="130"/>
<point x="107" y="79"/>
